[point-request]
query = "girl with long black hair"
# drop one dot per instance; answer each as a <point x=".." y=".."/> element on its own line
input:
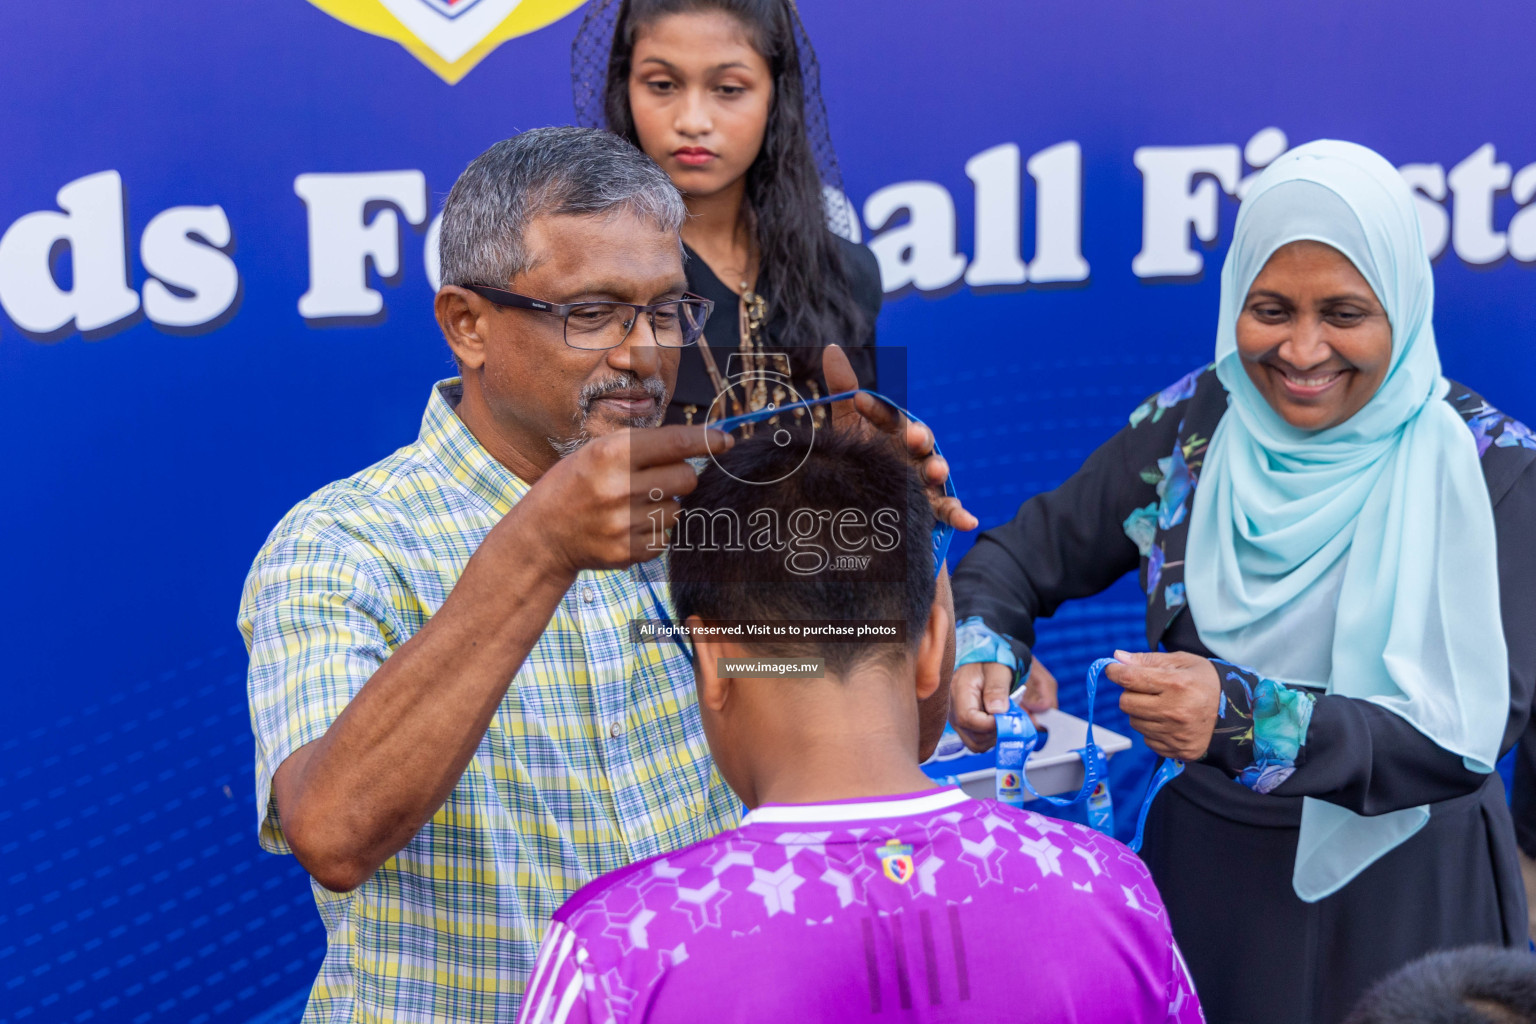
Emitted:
<point x="724" y="95"/>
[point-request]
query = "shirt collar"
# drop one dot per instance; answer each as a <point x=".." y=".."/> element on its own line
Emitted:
<point x="862" y="809"/>
<point x="465" y="459"/>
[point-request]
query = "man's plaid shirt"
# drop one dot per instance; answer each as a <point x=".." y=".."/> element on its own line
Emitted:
<point x="595" y="758"/>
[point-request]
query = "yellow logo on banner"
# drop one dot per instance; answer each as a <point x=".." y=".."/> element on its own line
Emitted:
<point x="448" y="36"/>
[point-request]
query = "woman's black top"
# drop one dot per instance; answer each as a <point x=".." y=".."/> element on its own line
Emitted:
<point x="1074" y="542"/>
<point x="723" y="333"/>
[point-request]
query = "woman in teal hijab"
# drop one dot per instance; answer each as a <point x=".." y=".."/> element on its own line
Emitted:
<point x="1335" y="541"/>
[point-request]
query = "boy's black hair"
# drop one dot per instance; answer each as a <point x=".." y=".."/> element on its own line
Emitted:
<point x="725" y="566"/>
<point x="1476" y="985"/>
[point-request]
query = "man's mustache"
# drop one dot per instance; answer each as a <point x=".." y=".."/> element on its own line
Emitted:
<point x="653" y="386"/>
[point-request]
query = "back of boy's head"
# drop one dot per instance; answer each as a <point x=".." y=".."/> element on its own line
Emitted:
<point x="1476" y="985"/>
<point x="842" y="534"/>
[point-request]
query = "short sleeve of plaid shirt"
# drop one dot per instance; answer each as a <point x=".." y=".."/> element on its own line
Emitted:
<point x="318" y="625"/>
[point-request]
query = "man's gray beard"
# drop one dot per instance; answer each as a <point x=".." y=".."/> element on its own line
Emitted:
<point x="653" y="386"/>
<point x="569" y="445"/>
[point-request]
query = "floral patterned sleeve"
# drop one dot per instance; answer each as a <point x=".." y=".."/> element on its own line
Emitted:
<point x="1261" y="728"/>
<point x="975" y="641"/>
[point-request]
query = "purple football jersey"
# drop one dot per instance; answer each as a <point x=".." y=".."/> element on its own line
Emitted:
<point x="929" y="907"/>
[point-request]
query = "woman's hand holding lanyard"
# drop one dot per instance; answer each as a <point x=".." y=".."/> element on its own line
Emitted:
<point x="1171" y="698"/>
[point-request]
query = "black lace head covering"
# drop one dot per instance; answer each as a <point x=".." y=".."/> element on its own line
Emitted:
<point x="795" y="188"/>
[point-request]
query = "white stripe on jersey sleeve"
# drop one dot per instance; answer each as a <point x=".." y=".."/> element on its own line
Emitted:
<point x="1184" y="1003"/>
<point x="552" y="956"/>
<point x="549" y="951"/>
<point x="568" y="1000"/>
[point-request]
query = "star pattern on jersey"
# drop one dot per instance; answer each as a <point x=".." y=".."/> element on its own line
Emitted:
<point x="1182" y="983"/>
<point x="1089" y="858"/>
<point x="984" y="857"/>
<point x="1047" y="856"/>
<point x="664" y="870"/>
<point x="1129" y="863"/>
<point x="619" y="995"/>
<point x="992" y="823"/>
<point x="1179" y="999"/>
<point x="1045" y="826"/>
<point x="796" y="843"/>
<point x="852" y="885"/>
<point x="947" y="824"/>
<point x="777" y="888"/>
<point x="629" y="931"/>
<point x="724" y="859"/>
<point x="926" y="874"/>
<point x="701" y="905"/>
<point x="1136" y="899"/>
<point x="661" y="879"/>
<point x="884" y="832"/>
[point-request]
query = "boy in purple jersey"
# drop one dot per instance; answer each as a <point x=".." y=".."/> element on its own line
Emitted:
<point x="854" y="889"/>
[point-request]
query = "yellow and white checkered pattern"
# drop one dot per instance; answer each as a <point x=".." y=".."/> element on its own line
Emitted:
<point x="595" y="758"/>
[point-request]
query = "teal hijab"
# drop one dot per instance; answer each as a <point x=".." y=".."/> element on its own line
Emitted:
<point x="1382" y="522"/>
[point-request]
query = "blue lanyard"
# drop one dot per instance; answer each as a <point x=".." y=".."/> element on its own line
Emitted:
<point x="1016" y="736"/>
<point x="665" y="618"/>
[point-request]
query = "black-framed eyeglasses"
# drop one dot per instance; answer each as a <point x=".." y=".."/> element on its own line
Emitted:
<point x="595" y="326"/>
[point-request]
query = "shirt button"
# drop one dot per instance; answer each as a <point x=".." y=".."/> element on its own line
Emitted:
<point x="616" y="729"/>
<point x="588" y="594"/>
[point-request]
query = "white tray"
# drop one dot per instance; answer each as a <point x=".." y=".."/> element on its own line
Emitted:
<point x="1053" y="770"/>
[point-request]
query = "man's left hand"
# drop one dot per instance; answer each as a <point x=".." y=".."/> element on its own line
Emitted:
<point x="866" y="411"/>
<point x="1170" y="698"/>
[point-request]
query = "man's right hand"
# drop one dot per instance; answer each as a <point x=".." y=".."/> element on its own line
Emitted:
<point x="609" y="505"/>
<point x="979" y="691"/>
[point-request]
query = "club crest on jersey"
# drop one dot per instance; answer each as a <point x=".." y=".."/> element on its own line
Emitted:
<point x="448" y="36"/>
<point x="896" y="861"/>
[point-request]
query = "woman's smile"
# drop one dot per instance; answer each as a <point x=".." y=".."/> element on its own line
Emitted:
<point x="1307" y="386"/>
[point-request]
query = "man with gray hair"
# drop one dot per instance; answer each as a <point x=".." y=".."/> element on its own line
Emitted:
<point x="453" y="730"/>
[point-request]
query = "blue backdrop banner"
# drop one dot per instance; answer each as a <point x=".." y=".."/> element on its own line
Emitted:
<point x="216" y="238"/>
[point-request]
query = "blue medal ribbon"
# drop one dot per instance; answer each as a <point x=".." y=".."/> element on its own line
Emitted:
<point x="1016" y="737"/>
